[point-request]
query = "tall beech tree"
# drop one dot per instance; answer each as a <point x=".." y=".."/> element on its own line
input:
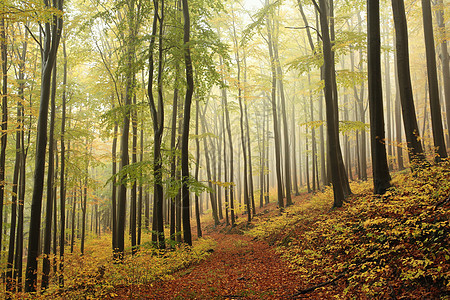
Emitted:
<point x="4" y="125"/>
<point x="50" y="179"/>
<point x="276" y="129"/>
<point x="157" y="113"/>
<point x="332" y="130"/>
<point x="52" y="29"/>
<point x="433" y="88"/>
<point x="187" y="236"/>
<point x="380" y="168"/>
<point x="445" y="59"/>
<point x="415" y="149"/>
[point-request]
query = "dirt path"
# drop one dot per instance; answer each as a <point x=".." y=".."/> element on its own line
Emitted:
<point x="239" y="268"/>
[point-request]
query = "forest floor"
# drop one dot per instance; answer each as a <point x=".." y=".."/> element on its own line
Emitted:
<point x="395" y="246"/>
<point x="240" y="267"/>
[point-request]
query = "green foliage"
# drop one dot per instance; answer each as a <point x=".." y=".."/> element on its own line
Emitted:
<point x="260" y="20"/>
<point x="95" y="275"/>
<point x="348" y="126"/>
<point x="397" y="244"/>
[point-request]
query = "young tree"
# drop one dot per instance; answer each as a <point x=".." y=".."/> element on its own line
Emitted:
<point x="381" y="177"/>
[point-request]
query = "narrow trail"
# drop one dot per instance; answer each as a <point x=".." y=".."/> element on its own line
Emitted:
<point x="239" y="268"/>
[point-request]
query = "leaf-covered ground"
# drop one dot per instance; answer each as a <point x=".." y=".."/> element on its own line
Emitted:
<point x="392" y="247"/>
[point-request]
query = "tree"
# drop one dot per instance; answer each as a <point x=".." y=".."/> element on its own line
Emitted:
<point x="433" y="89"/>
<point x="186" y="120"/>
<point x="404" y="82"/>
<point x="380" y="168"/>
<point x="332" y="131"/>
<point x="52" y="31"/>
<point x="157" y="114"/>
<point x="4" y="125"/>
<point x="50" y="178"/>
<point x="444" y="59"/>
<point x="275" y="115"/>
<point x="241" y="123"/>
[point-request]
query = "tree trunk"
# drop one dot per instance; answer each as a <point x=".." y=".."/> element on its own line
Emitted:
<point x="275" y="119"/>
<point x="287" y="154"/>
<point x="62" y="188"/>
<point x="230" y="144"/>
<point x="4" y="125"/>
<point x="333" y="132"/>
<point x="433" y="88"/>
<point x="380" y="168"/>
<point x="197" y="168"/>
<point x="83" y="209"/>
<point x="186" y="120"/>
<point x="114" y="188"/>
<point x="444" y="56"/>
<point x="51" y="42"/>
<point x="208" y="172"/>
<point x="173" y="148"/>
<point x="404" y="81"/>
<point x="50" y="172"/>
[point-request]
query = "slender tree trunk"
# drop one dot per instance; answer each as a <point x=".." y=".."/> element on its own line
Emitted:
<point x="444" y="56"/>
<point x="275" y="119"/>
<point x="62" y="189"/>
<point x="404" y="81"/>
<point x="333" y="134"/>
<point x="197" y="168"/>
<point x="133" y="210"/>
<point x="114" y="188"/>
<point x="247" y="126"/>
<point x="287" y="147"/>
<point x="50" y="177"/>
<point x="51" y="43"/>
<point x="433" y="88"/>
<point x="83" y="210"/>
<point x="380" y="168"/>
<point x="4" y="125"/>
<point x="186" y="120"/>
<point x="230" y="144"/>
<point x="208" y="173"/>
<point x="173" y="148"/>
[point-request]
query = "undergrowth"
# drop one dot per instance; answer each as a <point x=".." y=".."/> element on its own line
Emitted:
<point x="390" y="247"/>
<point x="95" y="275"/>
